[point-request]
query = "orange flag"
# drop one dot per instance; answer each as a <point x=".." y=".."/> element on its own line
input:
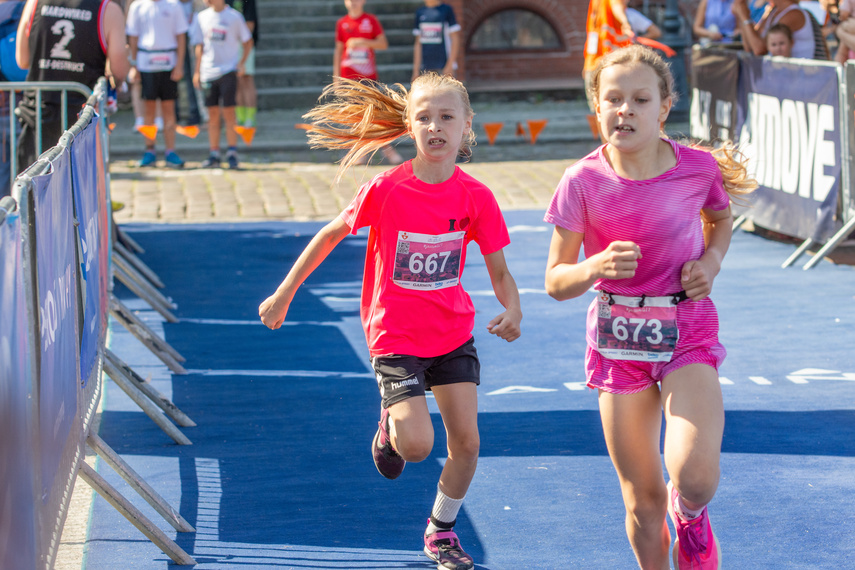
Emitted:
<point x="191" y="131"/>
<point x="246" y="133"/>
<point x="148" y="131"/>
<point x="492" y="130"/>
<point x="534" y="127"/>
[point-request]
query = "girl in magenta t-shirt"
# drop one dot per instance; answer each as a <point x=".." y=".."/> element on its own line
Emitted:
<point x="417" y="318"/>
<point x="654" y="218"/>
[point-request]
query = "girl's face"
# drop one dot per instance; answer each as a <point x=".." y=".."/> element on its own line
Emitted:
<point x="629" y="108"/>
<point x="437" y="121"/>
<point x="778" y="44"/>
<point x="354" y="6"/>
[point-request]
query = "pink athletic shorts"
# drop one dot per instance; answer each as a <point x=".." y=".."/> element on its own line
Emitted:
<point x="698" y="344"/>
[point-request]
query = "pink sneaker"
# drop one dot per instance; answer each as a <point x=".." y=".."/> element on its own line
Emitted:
<point x="696" y="547"/>
<point x="443" y="547"/>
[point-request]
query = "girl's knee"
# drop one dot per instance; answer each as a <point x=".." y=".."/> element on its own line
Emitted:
<point x="414" y="449"/>
<point x="465" y="447"/>
<point x="696" y="485"/>
<point x="647" y="506"/>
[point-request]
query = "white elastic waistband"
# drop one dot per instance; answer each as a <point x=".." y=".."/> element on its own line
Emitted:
<point x="642" y="301"/>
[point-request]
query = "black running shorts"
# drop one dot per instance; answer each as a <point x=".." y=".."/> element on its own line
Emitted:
<point x="221" y="90"/>
<point x="158" y="85"/>
<point x="402" y="376"/>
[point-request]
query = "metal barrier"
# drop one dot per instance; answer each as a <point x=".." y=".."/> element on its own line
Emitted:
<point x="65" y="265"/>
<point x="39" y="88"/>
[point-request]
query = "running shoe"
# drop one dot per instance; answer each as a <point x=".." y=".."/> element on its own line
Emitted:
<point x="211" y="162"/>
<point x="232" y="159"/>
<point x="173" y="160"/>
<point x="388" y="462"/>
<point x="148" y="159"/>
<point x="696" y="547"/>
<point x="443" y="547"/>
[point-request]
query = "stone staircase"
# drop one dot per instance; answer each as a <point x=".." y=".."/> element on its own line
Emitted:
<point x="295" y="51"/>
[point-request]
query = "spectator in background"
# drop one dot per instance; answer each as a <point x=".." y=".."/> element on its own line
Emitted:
<point x="186" y="93"/>
<point x="714" y="21"/>
<point x="607" y="29"/>
<point x="641" y="25"/>
<point x="220" y="31"/>
<point x="437" y="44"/>
<point x="91" y="41"/>
<point x="779" y="40"/>
<point x="157" y="36"/>
<point x="845" y="31"/>
<point x="10" y="17"/>
<point x="247" y="95"/>
<point x="807" y="37"/>
<point x="357" y="36"/>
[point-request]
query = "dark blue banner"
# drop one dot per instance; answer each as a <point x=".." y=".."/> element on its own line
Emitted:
<point x="715" y="82"/>
<point x="58" y="337"/>
<point x="790" y="128"/>
<point x="90" y="197"/>
<point x="17" y="513"/>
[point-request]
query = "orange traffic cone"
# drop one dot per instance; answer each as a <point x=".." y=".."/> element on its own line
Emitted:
<point x="148" y="131"/>
<point x="246" y="133"/>
<point x="520" y="132"/>
<point x="191" y="131"/>
<point x="492" y="130"/>
<point x="534" y="127"/>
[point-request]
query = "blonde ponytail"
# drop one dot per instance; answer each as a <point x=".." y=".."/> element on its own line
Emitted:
<point x="734" y="173"/>
<point x="359" y="117"/>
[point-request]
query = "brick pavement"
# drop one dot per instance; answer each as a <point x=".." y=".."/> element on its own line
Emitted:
<point x="295" y="190"/>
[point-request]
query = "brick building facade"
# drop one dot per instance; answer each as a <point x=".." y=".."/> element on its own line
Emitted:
<point x="557" y="66"/>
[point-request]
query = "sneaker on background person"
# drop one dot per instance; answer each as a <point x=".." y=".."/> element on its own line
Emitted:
<point x="173" y="160"/>
<point x="148" y="159"/>
<point x="213" y="160"/>
<point x="696" y="547"/>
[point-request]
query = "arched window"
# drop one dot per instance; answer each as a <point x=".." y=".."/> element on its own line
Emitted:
<point x="515" y="29"/>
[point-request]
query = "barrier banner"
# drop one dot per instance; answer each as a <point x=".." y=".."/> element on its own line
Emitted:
<point x="715" y="77"/>
<point x="17" y="494"/>
<point x="790" y="129"/>
<point x="60" y="433"/>
<point x="90" y="198"/>
<point x="849" y="193"/>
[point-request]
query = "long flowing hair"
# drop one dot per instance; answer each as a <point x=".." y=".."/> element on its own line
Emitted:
<point x="361" y="117"/>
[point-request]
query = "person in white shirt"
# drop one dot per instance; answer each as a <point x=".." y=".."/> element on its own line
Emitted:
<point x="218" y="34"/>
<point x="157" y="40"/>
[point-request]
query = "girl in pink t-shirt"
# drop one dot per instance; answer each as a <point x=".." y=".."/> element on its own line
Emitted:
<point x="654" y="218"/>
<point x="417" y="318"/>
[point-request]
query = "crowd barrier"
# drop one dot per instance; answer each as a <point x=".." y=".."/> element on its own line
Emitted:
<point x="793" y="119"/>
<point x="59" y="253"/>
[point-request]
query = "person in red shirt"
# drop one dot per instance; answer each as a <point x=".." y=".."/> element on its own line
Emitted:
<point x="418" y="320"/>
<point x="357" y="36"/>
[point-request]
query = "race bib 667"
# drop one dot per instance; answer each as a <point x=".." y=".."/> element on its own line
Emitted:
<point x="425" y="261"/>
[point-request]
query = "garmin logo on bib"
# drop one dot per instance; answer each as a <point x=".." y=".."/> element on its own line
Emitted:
<point x="428" y="262"/>
<point x="647" y="333"/>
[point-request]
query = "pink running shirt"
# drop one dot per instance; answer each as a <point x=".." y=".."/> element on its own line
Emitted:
<point x="412" y="299"/>
<point x="661" y="215"/>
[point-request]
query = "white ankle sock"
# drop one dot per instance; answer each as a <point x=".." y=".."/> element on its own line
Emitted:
<point x="685" y="512"/>
<point x="445" y="510"/>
